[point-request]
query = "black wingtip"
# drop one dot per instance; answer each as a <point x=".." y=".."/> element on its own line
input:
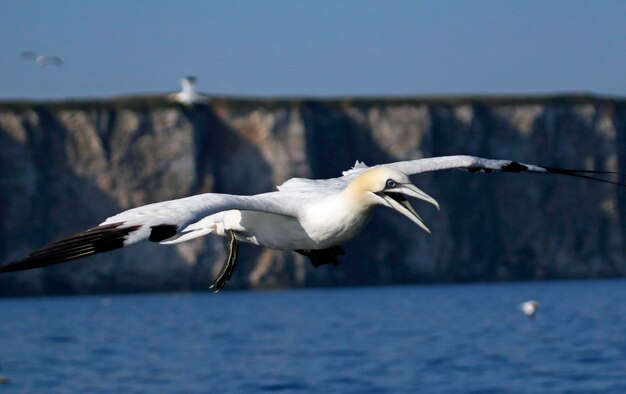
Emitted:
<point x="514" y="167"/>
<point x="95" y="240"/>
<point x="585" y="174"/>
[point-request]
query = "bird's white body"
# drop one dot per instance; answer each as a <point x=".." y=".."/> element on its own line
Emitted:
<point x="529" y="308"/>
<point x="187" y="95"/>
<point x="320" y="224"/>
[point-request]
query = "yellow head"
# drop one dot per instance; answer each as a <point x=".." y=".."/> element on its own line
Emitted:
<point x="384" y="185"/>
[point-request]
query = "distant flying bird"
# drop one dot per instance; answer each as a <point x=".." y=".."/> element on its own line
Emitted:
<point x="42" y="60"/>
<point x="187" y="94"/>
<point x="310" y="217"/>
<point x="529" y="308"/>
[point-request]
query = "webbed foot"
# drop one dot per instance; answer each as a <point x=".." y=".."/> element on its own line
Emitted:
<point x="320" y="257"/>
<point x="229" y="265"/>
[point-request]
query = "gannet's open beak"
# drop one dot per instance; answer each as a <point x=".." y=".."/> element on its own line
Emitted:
<point x="396" y="199"/>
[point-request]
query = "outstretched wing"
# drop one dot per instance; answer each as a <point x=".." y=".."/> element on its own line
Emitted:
<point x="28" y="55"/>
<point x="187" y="84"/>
<point x="154" y="222"/>
<point x="57" y="61"/>
<point x="463" y="162"/>
<point x="475" y="164"/>
<point x="479" y="164"/>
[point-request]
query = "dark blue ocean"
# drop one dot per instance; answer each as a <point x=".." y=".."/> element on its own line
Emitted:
<point x="430" y="339"/>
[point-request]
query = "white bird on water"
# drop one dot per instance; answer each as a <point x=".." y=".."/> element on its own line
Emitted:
<point x="42" y="60"/>
<point x="187" y="95"/>
<point x="529" y="308"/>
<point x="310" y="217"/>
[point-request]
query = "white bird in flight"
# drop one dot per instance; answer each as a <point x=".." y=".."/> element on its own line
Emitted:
<point x="42" y="60"/>
<point x="310" y="217"/>
<point x="529" y="308"/>
<point x="187" y="94"/>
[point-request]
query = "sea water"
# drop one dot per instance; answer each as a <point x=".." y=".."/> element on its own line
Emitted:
<point x="469" y="338"/>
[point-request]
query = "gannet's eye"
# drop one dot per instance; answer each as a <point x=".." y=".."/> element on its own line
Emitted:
<point x="390" y="184"/>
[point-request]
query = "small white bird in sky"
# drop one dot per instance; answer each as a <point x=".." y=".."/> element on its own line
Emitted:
<point x="187" y="94"/>
<point x="529" y="308"/>
<point x="310" y="217"/>
<point x="42" y="60"/>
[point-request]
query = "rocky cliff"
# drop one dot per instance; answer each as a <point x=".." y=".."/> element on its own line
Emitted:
<point x="67" y="166"/>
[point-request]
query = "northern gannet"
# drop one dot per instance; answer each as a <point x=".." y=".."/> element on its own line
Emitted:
<point x="42" y="60"/>
<point x="312" y="217"/>
<point x="529" y="308"/>
<point x="187" y="94"/>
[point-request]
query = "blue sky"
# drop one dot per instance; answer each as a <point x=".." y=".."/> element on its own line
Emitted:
<point x="313" y="48"/>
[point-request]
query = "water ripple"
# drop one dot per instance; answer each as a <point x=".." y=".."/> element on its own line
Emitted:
<point x="463" y="338"/>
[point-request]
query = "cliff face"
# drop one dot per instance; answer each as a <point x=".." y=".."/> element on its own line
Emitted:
<point x="65" y="167"/>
